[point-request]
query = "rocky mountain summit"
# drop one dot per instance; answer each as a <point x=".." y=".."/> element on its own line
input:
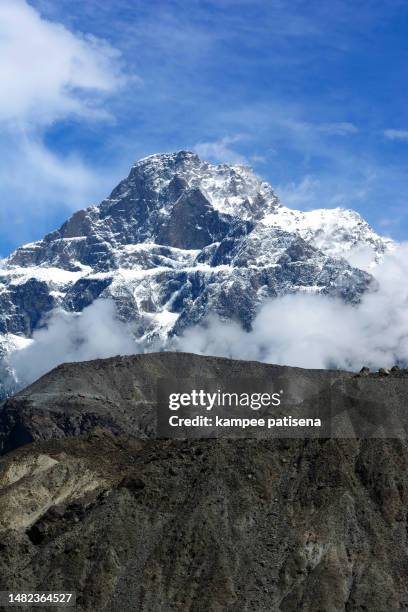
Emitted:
<point x="92" y="502"/>
<point x="179" y="239"/>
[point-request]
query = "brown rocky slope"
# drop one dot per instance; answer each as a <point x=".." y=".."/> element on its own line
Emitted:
<point x="134" y="523"/>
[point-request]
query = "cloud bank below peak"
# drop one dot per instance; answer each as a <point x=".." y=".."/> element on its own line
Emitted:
<point x="96" y="333"/>
<point x="310" y="331"/>
<point x="315" y="331"/>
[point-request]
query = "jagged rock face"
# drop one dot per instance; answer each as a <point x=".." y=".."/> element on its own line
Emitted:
<point x="208" y="525"/>
<point x="175" y="200"/>
<point x="24" y="304"/>
<point x="180" y="239"/>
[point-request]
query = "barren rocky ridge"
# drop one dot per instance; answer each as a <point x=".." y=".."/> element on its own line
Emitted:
<point x="95" y="503"/>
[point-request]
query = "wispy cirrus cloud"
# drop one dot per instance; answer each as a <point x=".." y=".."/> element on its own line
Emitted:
<point x="221" y="151"/>
<point x="392" y="134"/>
<point x="303" y="194"/>
<point x="343" y="128"/>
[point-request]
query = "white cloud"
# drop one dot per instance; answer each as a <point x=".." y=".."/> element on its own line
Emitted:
<point x="40" y="180"/>
<point x="220" y="150"/>
<point x="303" y="194"/>
<point x="259" y="159"/>
<point x="96" y="333"/>
<point x="343" y="128"/>
<point x="326" y="190"/>
<point x="396" y="134"/>
<point x="305" y="128"/>
<point x="48" y="72"/>
<point x="297" y="330"/>
<point x="320" y="332"/>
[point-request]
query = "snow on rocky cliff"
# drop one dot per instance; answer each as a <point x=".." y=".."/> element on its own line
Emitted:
<point x="181" y="238"/>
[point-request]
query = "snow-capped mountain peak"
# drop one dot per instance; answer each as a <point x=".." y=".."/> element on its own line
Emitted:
<point x="180" y="239"/>
<point x="230" y="189"/>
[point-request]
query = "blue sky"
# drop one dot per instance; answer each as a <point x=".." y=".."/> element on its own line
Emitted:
<point x="311" y="94"/>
